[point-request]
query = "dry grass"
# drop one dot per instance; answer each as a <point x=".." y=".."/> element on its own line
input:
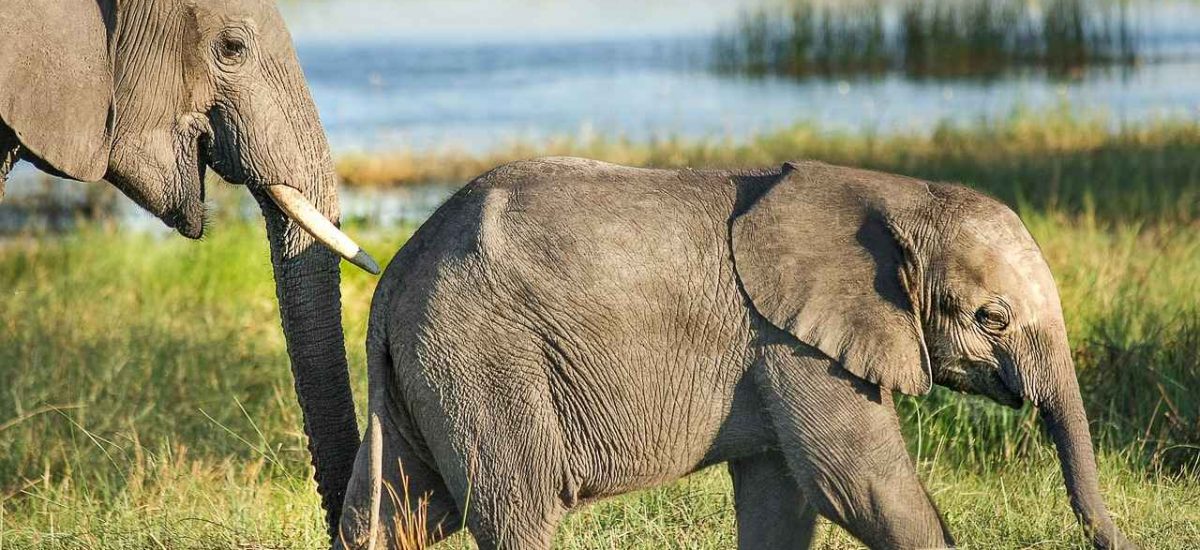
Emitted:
<point x="1042" y="160"/>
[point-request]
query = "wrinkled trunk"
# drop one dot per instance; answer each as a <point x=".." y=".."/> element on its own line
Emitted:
<point x="272" y="136"/>
<point x="307" y="280"/>
<point x="1068" y="426"/>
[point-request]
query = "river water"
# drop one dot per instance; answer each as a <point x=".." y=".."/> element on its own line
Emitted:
<point x="640" y="70"/>
<point x="378" y="96"/>
<point x="476" y="74"/>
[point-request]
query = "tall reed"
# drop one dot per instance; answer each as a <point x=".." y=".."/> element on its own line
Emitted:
<point x="928" y="38"/>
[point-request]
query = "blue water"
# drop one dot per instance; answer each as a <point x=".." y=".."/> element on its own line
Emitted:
<point x="379" y="96"/>
<point x="407" y="78"/>
<point x="477" y="74"/>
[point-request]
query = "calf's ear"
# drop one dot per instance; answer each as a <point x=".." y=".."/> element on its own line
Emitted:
<point x="819" y="256"/>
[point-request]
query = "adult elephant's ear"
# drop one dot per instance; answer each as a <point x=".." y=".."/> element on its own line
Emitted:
<point x="820" y="255"/>
<point x="56" y="82"/>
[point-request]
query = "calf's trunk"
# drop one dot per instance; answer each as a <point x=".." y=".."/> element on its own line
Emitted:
<point x="1068" y="426"/>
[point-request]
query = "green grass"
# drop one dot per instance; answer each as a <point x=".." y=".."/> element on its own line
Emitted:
<point x="146" y="400"/>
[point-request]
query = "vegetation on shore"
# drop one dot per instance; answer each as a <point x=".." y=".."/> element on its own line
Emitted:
<point x="146" y="400"/>
<point x="1046" y="160"/>
<point x="928" y="38"/>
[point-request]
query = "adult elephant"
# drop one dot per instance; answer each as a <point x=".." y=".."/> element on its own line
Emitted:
<point x="146" y="94"/>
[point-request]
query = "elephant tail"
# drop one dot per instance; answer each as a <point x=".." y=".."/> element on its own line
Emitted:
<point x="375" y="437"/>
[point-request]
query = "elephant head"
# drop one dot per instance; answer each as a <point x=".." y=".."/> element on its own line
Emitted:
<point x="907" y="284"/>
<point x="147" y="94"/>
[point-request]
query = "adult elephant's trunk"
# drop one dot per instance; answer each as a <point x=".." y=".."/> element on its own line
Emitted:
<point x="10" y="150"/>
<point x="271" y="140"/>
<point x="307" y="280"/>
<point x="1068" y="426"/>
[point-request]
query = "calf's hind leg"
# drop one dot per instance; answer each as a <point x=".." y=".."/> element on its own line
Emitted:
<point x="508" y="476"/>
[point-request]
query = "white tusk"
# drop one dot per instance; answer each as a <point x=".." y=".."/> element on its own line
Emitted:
<point x="296" y="207"/>
<point x="375" y="437"/>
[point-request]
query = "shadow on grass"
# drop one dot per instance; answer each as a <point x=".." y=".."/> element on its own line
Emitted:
<point x="1144" y="393"/>
<point x="107" y="400"/>
<point x="1121" y="181"/>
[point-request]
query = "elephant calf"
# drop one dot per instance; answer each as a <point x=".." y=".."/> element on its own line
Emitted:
<point x="563" y="330"/>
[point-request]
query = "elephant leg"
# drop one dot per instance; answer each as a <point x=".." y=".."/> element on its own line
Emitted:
<point x="414" y="504"/>
<point x="842" y="440"/>
<point x="512" y="493"/>
<point x="502" y="456"/>
<point x="772" y="514"/>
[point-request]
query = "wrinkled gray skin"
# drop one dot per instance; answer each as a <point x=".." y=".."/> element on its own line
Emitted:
<point x="564" y="330"/>
<point x="146" y="93"/>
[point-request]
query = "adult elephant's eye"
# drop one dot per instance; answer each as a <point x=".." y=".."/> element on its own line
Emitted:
<point x="993" y="317"/>
<point x="231" y="49"/>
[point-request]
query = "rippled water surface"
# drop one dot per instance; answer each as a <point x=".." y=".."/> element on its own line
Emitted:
<point x="526" y="70"/>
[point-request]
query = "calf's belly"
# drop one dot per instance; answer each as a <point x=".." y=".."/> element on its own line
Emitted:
<point x="641" y="438"/>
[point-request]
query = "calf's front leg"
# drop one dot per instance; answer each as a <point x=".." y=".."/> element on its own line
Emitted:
<point x="842" y="440"/>
<point x="772" y="513"/>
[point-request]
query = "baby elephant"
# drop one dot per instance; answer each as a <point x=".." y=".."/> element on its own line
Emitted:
<point x="563" y="330"/>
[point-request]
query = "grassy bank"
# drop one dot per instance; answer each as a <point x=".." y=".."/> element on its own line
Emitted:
<point x="145" y="398"/>
<point x="1043" y="160"/>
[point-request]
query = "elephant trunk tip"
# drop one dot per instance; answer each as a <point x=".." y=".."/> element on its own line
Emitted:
<point x="1112" y="539"/>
